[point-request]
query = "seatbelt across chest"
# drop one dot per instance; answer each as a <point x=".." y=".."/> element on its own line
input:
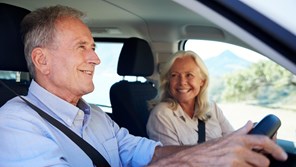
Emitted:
<point x="201" y="131"/>
<point x="93" y="154"/>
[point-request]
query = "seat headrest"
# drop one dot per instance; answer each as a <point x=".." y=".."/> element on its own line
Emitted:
<point x="12" y="57"/>
<point x="136" y="58"/>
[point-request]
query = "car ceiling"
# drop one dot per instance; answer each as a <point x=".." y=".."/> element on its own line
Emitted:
<point x="161" y="22"/>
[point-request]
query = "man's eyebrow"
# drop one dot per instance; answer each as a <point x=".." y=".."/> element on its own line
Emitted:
<point x="85" y="43"/>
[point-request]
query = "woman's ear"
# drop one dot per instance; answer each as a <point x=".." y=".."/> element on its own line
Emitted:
<point x="202" y="82"/>
<point x="39" y="60"/>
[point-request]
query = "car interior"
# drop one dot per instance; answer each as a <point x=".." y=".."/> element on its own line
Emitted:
<point x="149" y="32"/>
<point x="128" y="98"/>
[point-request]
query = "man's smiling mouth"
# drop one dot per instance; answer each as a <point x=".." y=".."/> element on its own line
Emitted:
<point x="87" y="72"/>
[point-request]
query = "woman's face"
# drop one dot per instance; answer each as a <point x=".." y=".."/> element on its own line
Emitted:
<point x="185" y="80"/>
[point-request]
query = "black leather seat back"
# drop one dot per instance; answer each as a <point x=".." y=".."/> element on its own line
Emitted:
<point x="129" y="99"/>
<point x="12" y="56"/>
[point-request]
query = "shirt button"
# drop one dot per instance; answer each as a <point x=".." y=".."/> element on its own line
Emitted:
<point x="80" y="112"/>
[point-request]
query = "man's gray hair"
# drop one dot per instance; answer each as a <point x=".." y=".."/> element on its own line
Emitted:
<point x="38" y="28"/>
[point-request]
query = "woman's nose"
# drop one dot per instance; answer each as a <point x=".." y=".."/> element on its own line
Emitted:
<point x="182" y="79"/>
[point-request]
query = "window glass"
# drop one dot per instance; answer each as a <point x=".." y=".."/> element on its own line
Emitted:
<point x="7" y="75"/>
<point x="15" y="76"/>
<point x="105" y="74"/>
<point x="248" y="86"/>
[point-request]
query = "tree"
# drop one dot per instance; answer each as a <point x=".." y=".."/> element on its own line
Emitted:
<point x="264" y="81"/>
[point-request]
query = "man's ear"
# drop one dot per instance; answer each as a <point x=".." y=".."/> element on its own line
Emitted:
<point x="39" y="60"/>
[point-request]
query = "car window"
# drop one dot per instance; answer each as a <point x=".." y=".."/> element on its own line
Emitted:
<point x="9" y="75"/>
<point x="15" y="76"/>
<point x="248" y="86"/>
<point x="105" y="74"/>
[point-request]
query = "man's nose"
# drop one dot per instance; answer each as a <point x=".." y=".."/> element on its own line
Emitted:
<point x="93" y="58"/>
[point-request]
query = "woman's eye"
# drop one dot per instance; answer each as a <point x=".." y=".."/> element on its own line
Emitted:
<point x="190" y="75"/>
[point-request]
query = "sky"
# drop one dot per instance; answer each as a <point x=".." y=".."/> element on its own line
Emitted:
<point x="207" y="49"/>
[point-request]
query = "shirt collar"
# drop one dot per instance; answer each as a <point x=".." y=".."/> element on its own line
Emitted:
<point x="180" y="113"/>
<point x="59" y="107"/>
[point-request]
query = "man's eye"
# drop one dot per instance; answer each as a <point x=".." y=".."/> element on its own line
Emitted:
<point x="173" y="75"/>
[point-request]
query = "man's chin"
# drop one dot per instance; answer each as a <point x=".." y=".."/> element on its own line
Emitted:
<point x="90" y="89"/>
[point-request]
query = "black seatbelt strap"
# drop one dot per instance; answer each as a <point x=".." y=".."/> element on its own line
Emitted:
<point x="201" y="131"/>
<point x="94" y="155"/>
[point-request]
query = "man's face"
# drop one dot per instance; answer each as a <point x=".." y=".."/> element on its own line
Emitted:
<point x="71" y="59"/>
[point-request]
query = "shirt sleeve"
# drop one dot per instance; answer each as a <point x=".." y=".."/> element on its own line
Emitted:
<point x="118" y="142"/>
<point x="135" y="150"/>
<point x="160" y="126"/>
<point x="224" y="123"/>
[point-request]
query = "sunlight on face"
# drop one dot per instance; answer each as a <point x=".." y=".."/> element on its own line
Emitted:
<point x="185" y="80"/>
<point x="72" y="62"/>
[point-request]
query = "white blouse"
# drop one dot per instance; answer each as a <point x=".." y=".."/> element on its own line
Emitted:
<point x="177" y="128"/>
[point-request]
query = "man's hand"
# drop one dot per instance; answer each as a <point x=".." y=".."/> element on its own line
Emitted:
<point x="232" y="150"/>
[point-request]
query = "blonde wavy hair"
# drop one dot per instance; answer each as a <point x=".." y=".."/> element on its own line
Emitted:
<point x="164" y="95"/>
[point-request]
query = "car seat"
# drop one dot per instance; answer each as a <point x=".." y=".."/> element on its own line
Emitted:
<point x="129" y="99"/>
<point x="12" y="58"/>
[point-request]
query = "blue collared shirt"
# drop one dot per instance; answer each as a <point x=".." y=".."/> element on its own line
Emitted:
<point x="26" y="139"/>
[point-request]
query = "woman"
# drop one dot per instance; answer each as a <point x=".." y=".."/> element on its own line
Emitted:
<point x="182" y="103"/>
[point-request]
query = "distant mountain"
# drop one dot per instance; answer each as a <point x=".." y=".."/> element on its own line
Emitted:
<point x="225" y="63"/>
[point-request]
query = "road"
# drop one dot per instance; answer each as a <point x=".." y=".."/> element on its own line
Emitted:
<point x="238" y="114"/>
